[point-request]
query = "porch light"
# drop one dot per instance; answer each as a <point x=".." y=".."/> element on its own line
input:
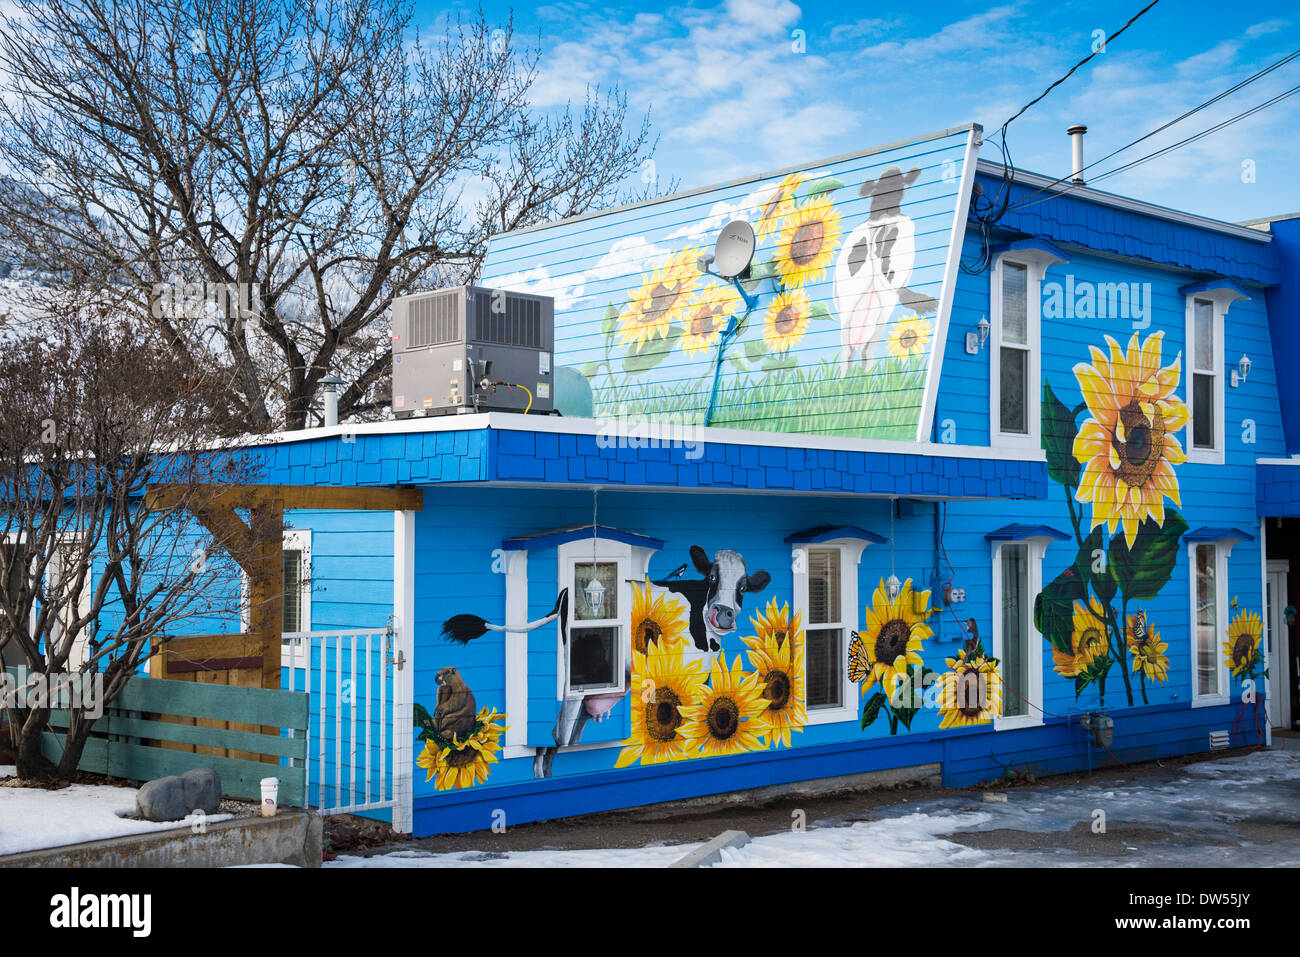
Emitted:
<point x="893" y="586"/>
<point x="1242" y="370"/>
<point x="975" y="340"/>
<point x="595" y="594"/>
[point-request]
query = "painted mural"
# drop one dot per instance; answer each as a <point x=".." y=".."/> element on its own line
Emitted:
<point x="461" y="741"/>
<point x="831" y="330"/>
<point x="1120" y="461"/>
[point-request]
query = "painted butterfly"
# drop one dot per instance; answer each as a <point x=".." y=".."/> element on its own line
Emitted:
<point x="859" y="663"/>
<point x="1140" y="625"/>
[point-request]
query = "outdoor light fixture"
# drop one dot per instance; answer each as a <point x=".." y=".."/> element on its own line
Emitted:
<point x="975" y="340"/>
<point x="893" y="586"/>
<point x="594" y="591"/>
<point x="1243" y="369"/>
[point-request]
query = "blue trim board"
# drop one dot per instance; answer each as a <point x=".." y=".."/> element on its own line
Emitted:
<point x="827" y="533"/>
<point x="1021" y="532"/>
<point x="1214" y="285"/>
<point x="562" y="536"/>
<point x="1034" y="244"/>
<point x="1277" y="491"/>
<point x="1207" y="533"/>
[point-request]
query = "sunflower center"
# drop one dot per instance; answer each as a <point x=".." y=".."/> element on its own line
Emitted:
<point x="907" y="339"/>
<point x="1090" y="642"/>
<point x="1241" y="649"/>
<point x="786" y="320"/>
<point x="662" y="718"/>
<point x="703" y="323"/>
<point x="662" y="297"/>
<point x="461" y="758"/>
<point x="777" y="691"/>
<point x="892" y="642"/>
<point x="647" y="633"/>
<point x="723" y="719"/>
<point x="807" y="242"/>
<point x="1143" y="445"/>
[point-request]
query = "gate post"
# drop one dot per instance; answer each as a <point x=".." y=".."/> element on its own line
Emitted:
<point x="404" y="669"/>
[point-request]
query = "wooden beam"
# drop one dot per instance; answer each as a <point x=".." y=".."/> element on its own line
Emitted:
<point x="289" y="496"/>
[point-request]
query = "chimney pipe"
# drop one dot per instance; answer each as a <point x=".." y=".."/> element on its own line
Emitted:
<point x="331" y="386"/>
<point x="1076" y="149"/>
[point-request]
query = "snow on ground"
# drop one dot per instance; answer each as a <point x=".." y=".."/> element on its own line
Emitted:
<point x="33" y="818"/>
<point x="1188" y="818"/>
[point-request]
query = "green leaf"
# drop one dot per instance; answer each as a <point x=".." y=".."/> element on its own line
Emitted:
<point x="818" y="311"/>
<point x="1059" y="430"/>
<point x="872" y="709"/>
<point x="755" y="349"/>
<point x="422" y="717"/>
<point x="609" y="322"/>
<point x="1103" y="582"/>
<point x="1140" y="572"/>
<point x="589" y="369"/>
<point x="786" y="361"/>
<point x="644" y="357"/>
<point x="1054" y="608"/>
<point x="823" y="185"/>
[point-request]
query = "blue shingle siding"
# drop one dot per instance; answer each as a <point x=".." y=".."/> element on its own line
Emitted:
<point x="1277" y="490"/>
<point x="1073" y="221"/>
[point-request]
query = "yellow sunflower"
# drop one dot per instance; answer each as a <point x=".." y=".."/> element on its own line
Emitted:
<point x="970" y="692"/>
<point x="892" y="633"/>
<point x="656" y="619"/>
<point x="779" y="662"/>
<point x="663" y="684"/>
<point x="729" y="717"/>
<point x="707" y="317"/>
<point x="1128" y="448"/>
<point x="807" y="242"/>
<point x="1241" y="650"/>
<point x="1088" y="642"/>
<point x="463" y="764"/>
<point x="1148" y="651"/>
<point x="664" y="297"/>
<point x="777" y="623"/>
<point x="909" y="337"/>
<point x="787" y="320"/>
<point x="779" y="204"/>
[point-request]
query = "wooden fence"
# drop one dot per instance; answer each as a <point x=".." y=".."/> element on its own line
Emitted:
<point x="149" y="731"/>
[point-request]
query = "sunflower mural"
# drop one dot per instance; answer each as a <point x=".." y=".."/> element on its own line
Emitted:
<point x="656" y="620"/>
<point x="656" y="309"/>
<point x="776" y="653"/>
<point x="454" y="760"/>
<point x="1241" y="651"/>
<point x="1117" y="472"/>
<point x="809" y="238"/>
<point x="970" y="691"/>
<point x="887" y="652"/>
<point x="730" y="716"/>
<point x="909" y="338"/>
<point x="664" y="685"/>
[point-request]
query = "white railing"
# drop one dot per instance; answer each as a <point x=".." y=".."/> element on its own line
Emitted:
<point x="359" y="725"/>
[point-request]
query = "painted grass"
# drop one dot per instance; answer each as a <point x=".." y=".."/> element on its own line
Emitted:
<point x="880" y="402"/>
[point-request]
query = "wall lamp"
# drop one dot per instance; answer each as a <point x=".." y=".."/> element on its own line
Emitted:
<point x="1243" y="369"/>
<point x="975" y="340"/>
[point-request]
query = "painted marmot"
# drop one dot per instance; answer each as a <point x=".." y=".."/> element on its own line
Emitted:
<point x="456" y="712"/>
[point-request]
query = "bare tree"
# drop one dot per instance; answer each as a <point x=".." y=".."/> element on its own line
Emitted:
<point x="310" y="159"/>
<point x="93" y="580"/>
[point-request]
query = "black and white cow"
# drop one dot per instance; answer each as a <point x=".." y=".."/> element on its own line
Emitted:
<point x="875" y="265"/>
<point x="715" y="600"/>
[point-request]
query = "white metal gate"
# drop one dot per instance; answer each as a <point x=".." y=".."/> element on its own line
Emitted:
<point x="359" y="742"/>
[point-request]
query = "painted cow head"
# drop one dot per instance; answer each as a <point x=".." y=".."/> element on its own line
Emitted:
<point x="728" y="581"/>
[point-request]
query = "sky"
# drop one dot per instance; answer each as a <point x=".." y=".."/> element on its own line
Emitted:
<point x="742" y="87"/>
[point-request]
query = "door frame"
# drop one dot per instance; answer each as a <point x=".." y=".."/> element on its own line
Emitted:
<point x="1279" y="645"/>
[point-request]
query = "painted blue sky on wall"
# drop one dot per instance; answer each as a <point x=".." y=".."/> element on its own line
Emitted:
<point x="731" y="97"/>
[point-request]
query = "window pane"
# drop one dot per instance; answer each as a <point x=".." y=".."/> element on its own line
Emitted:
<point x="824" y="586"/>
<point x="593" y="657"/>
<point x="824" y="660"/>
<point x="1203" y="411"/>
<point x="1207" y="619"/>
<point x="1015" y="298"/>
<point x="1204" y="336"/>
<point x="1015" y="374"/>
<point x="292" y="602"/>
<point x="607" y="574"/>
<point x="1015" y="628"/>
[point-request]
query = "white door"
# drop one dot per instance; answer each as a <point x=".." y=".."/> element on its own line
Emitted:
<point x="1276" y="636"/>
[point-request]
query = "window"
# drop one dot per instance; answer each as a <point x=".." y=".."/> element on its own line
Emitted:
<point x="1017" y="577"/>
<point x="595" y="637"/>
<point x="1015" y="306"/>
<point x="295" y="608"/>
<point x="67" y="555"/>
<point x="1209" y="622"/>
<point x="826" y="597"/>
<point x="1206" y="389"/>
<point x="825" y="629"/>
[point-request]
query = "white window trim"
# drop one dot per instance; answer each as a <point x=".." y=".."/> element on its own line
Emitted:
<point x="79" y="653"/>
<point x="1221" y="300"/>
<point x="1222" y="549"/>
<point x="851" y="550"/>
<point x="1037" y="547"/>
<point x="634" y="559"/>
<point x="1035" y="263"/>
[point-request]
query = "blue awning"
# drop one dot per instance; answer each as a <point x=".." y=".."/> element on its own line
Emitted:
<point x="1208" y="533"/>
<point x="561" y="536"/>
<point x="1020" y="533"/>
<point x="1216" y="285"/>
<point x="827" y="533"/>
<point x="1035" y="245"/>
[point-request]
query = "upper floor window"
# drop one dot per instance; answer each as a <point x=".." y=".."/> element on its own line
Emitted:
<point x="1015" y="364"/>
<point x="596" y="634"/>
<point x="1207" y="305"/>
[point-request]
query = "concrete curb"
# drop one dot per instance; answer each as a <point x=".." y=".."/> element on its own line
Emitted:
<point x="291" y="837"/>
<point x="711" y="851"/>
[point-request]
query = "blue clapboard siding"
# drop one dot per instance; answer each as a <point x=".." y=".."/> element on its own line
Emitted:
<point x="595" y="265"/>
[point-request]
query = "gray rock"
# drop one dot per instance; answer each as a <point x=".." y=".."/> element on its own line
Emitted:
<point x="172" y="798"/>
<point x="202" y="790"/>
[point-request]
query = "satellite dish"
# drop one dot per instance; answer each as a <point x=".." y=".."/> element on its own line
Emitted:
<point x="734" y="250"/>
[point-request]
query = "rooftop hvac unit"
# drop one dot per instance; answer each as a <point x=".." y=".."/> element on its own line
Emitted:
<point x="471" y="349"/>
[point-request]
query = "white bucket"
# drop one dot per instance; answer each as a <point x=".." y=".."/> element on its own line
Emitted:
<point x="270" y="791"/>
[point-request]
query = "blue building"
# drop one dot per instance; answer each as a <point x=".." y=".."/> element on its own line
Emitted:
<point x="967" y="464"/>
